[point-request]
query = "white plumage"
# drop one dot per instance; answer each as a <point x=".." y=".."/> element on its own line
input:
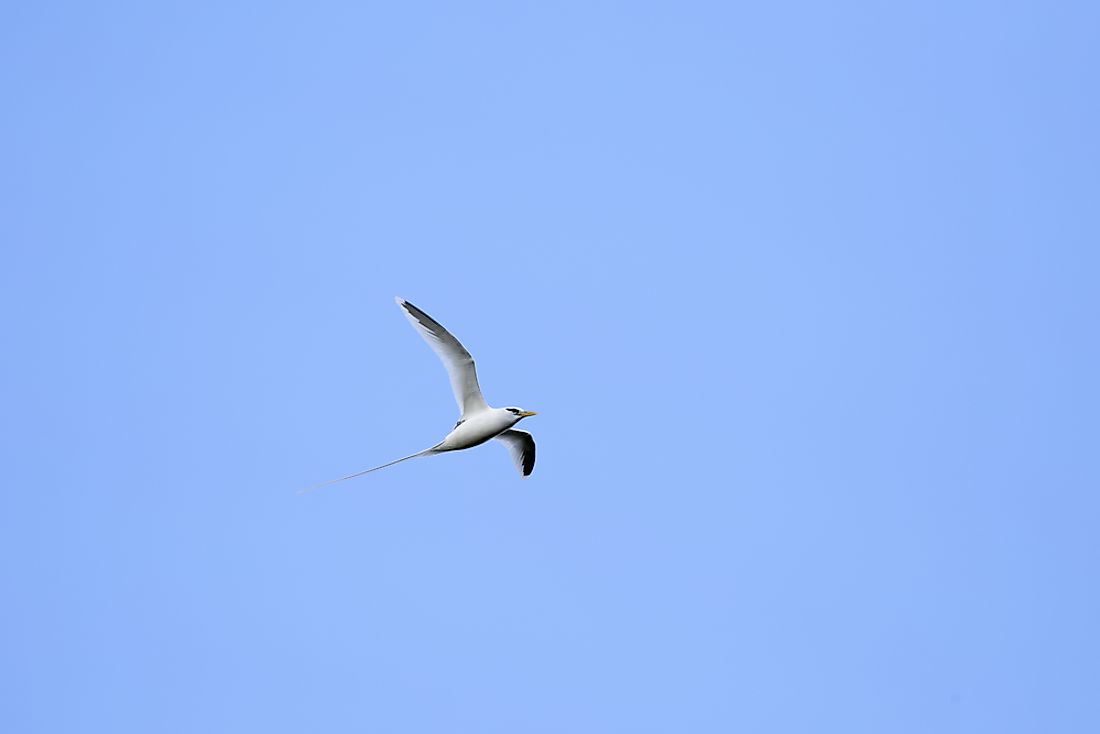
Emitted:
<point x="478" y="422"/>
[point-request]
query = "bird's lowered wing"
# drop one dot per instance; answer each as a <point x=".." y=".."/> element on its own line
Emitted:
<point x="459" y="363"/>
<point x="522" y="448"/>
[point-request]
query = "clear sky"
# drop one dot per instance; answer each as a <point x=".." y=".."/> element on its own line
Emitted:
<point x="805" y="295"/>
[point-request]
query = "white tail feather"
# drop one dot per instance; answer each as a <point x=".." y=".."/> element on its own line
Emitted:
<point x="425" y="452"/>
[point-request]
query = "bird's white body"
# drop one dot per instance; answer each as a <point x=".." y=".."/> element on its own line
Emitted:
<point x="476" y="429"/>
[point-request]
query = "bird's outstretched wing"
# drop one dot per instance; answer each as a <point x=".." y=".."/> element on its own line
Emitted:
<point x="522" y="448"/>
<point x="459" y="363"/>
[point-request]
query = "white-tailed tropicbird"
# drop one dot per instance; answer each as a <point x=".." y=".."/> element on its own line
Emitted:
<point x="478" y="422"/>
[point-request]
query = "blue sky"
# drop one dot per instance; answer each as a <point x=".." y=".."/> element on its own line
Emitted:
<point x="805" y="296"/>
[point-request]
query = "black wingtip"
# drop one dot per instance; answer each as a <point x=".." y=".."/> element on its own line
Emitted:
<point x="412" y="310"/>
<point x="529" y="462"/>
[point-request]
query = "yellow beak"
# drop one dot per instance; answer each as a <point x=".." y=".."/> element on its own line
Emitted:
<point x="526" y="413"/>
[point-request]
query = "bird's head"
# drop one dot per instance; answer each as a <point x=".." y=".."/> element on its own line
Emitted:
<point x="520" y="413"/>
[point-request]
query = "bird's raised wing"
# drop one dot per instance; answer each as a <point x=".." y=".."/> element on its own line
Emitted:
<point x="459" y="363"/>
<point x="522" y="448"/>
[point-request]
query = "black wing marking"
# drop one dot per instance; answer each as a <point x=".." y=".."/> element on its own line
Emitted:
<point x="521" y="445"/>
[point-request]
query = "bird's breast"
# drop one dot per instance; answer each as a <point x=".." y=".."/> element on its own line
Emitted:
<point x="477" y="430"/>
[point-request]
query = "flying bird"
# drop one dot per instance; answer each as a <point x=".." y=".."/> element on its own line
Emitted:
<point x="478" y="421"/>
